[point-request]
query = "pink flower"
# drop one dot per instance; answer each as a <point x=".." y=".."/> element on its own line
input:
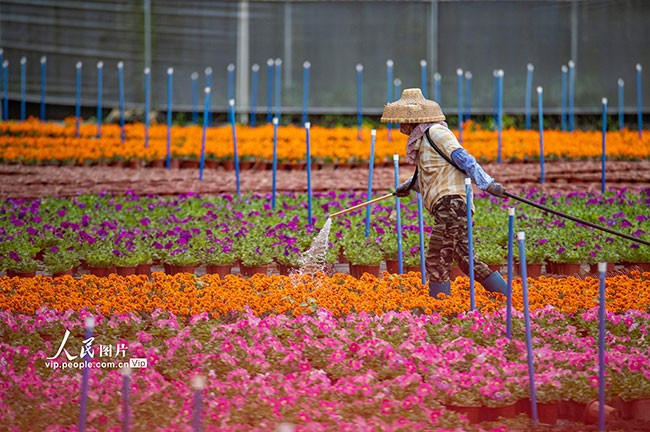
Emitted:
<point x="408" y="402"/>
<point x="226" y="346"/>
<point x="337" y="356"/>
<point x="635" y="365"/>
<point x="144" y="336"/>
<point x="385" y="406"/>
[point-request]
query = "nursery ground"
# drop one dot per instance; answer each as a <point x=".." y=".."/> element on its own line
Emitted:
<point x="32" y="181"/>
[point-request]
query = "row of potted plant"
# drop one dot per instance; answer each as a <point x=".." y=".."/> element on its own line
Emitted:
<point x="35" y="142"/>
<point x="396" y="370"/>
<point x="126" y="230"/>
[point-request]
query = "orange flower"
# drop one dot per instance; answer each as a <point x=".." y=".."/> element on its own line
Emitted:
<point x="187" y="294"/>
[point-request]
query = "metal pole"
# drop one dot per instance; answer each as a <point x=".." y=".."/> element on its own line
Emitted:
<point x="243" y="55"/>
<point x="147" y="33"/>
<point x="511" y="236"/>
<point x="371" y="164"/>
<point x="470" y="243"/>
<point x="529" y="344"/>
<point x="399" y="218"/>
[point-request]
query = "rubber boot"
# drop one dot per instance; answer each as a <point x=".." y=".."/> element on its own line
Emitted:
<point x="495" y="283"/>
<point x="436" y="288"/>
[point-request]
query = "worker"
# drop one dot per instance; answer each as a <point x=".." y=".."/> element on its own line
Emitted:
<point x="442" y="166"/>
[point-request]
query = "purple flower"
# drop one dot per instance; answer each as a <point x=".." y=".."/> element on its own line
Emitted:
<point x="542" y="241"/>
<point x="145" y="221"/>
<point x="14" y="256"/>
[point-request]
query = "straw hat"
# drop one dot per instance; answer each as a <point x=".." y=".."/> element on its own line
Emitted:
<point x="412" y="107"/>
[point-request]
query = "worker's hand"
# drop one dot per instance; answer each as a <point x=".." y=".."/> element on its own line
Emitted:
<point x="404" y="189"/>
<point x="496" y="189"/>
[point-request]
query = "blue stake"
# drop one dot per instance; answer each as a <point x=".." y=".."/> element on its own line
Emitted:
<point x="305" y="90"/>
<point x="639" y="105"/>
<point x="231" y="116"/>
<point x="423" y="270"/>
<point x="231" y="81"/>
<point x="621" y="115"/>
<point x="495" y="109"/>
<point x="278" y="87"/>
<point x="540" y="113"/>
<point x="603" y="156"/>
<point x="397" y="86"/>
<point x="269" y="90"/>
<point x="100" y="91"/>
<point x="275" y="160"/>
<point x="43" y="86"/>
<point x="198" y="384"/>
<point x="78" y="101"/>
<point x="147" y="102"/>
<point x="308" y="160"/>
<point x="254" y="86"/>
<point x="571" y="93"/>
<point x="468" y="96"/>
<point x="195" y="97"/>
<point x="205" y="130"/>
<point x="564" y="91"/>
<point x="602" y="268"/>
<point x="2" y="61"/>
<point x="120" y="78"/>
<point x="86" y="350"/>
<point x="511" y="236"/>
<point x="389" y="93"/>
<point x="126" y="393"/>
<point x="470" y="242"/>
<point x="5" y="90"/>
<point x="208" y="83"/>
<point x="23" y="88"/>
<point x="399" y="217"/>
<point x="170" y="77"/>
<point x="529" y="88"/>
<point x="371" y="164"/>
<point x="423" y="78"/>
<point x="437" y="81"/>
<point x="500" y="114"/>
<point x="521" y="236"/>
<point x="359" y="69"/>
<point x="459" y="75"/>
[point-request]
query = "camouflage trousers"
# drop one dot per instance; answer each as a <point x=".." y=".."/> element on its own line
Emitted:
<point x="448" y="242"/>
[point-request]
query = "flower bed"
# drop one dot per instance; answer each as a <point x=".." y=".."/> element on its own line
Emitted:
<point x="53" y="235"/>
<point x="396" y="371"/>
<point x="41" y="142"/>
<point x="186" y="294"/>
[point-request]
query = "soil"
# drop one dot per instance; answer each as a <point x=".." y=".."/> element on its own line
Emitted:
<point x="32" y="181"/>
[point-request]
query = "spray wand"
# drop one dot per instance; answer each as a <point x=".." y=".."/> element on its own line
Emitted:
<point x="364" y="204"/>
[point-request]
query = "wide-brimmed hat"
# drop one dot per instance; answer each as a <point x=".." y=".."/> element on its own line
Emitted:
<point x="412" y="107"/>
